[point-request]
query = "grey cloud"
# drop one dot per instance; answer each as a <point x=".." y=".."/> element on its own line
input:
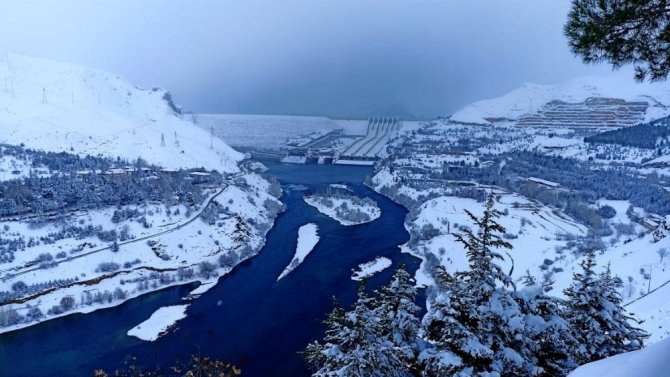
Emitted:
<point x="339" y="58"/>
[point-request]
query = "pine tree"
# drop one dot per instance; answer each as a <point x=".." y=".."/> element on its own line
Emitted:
<point x="622" y="32"/>
<point x="455" y="346"/>
<point x="582" y="310"/>
<point x="480" y="248"/>
<point x="549" y="334"/>
<point x="600" y="324"/>
<point x="316" y="354"/>
<point x="353" y="346"/>
<point x="622" y="335"/>
<point x="474" y="322"/>
<point x="396" y="312"/>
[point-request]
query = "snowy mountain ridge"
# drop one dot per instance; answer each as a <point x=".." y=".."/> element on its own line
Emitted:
<point x="57" y="106"/>
<point x="530" y="98"/>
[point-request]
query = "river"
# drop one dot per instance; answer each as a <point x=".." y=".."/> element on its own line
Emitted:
<point x="248" y="318"/>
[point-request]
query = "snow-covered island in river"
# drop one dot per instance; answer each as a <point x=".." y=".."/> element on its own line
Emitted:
<point x="344" y="207"/>
<point x="308" y="237"/>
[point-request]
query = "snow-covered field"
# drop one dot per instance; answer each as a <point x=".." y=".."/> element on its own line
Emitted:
<point x="368" y="269"/>
<point x="535" y="231"/>
<point x="308" y="237"/>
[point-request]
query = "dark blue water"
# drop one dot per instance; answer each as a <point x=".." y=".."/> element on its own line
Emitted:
<point x="248" y="317"/>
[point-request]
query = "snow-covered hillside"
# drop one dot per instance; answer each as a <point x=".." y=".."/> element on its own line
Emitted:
<point x="63" y="107"/>
<point x="447" y="168"/>
<point x="192" y="224"/>
<point x="652" y="361"/>
<point x="530" y="97"/>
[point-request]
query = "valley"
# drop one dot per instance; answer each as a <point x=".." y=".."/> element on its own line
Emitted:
<point x="136" y="229"/>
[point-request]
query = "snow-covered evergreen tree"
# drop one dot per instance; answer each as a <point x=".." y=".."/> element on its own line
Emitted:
<point x="455" y="345"/>
<point x="354" y="346"/>
<point x="321" y="356"/>
<point x="547" y="330"/>
<point x="396" y="314"/>
<point x="599" y="321"/>
<point x="475" y="322"/>
<point x="623" y="336"/>
<point x="480" y="248"/>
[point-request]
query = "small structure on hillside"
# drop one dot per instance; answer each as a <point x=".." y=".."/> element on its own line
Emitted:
<point x="543" y="182"/>
<point x="200" y="177"/>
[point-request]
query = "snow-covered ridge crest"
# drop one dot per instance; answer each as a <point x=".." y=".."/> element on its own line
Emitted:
<point x="57" y="106"/>
<point x="530" y="97"/>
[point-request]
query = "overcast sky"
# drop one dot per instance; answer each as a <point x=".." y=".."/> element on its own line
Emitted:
<point x="337" y="57"/>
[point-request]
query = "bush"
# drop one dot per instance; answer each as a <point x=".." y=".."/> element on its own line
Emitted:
<point x="19" y="286"/>
<point x="228" y="260"/>
<point x="198" y="366"/>
<point x="34" y="314"/>
<point x="206" y="269"/>
<point x="185" y="273"/>
<point x="607" y="212"/>
<point x="55" y="310"/>
<point x="107" y="267"/>
<point x="67" y="303"/>
<point x="428" y="231"/>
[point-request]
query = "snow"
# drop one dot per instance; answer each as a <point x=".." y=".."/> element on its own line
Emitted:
<point x="368" y="269"/>
<point x="355" y="162"/>
<point x="308" y="237"/>
<point x="662" y="159"/>
<point x="13" y="168"/>
<point x="159" y="323"/>
<point x="530" y="97"/>
<point x="340" y="186"/>
<point x="294" y="159"/>
<point x="57" y="106"/>
<point x="202" y="288"/>
<point x="543" y="182"/>
<point x="651" y="361"/>
<point x="541" y="235"/>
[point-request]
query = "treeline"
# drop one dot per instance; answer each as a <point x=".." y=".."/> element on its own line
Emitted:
<point x="645" y="136"/>
<point x="36" y="195"/>
<point x="579" y="181"/>
<point x="61" y="161"/>
<point x="478" y="322"/>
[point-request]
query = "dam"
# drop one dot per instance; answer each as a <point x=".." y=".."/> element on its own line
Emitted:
<point x="297" y="139"/>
